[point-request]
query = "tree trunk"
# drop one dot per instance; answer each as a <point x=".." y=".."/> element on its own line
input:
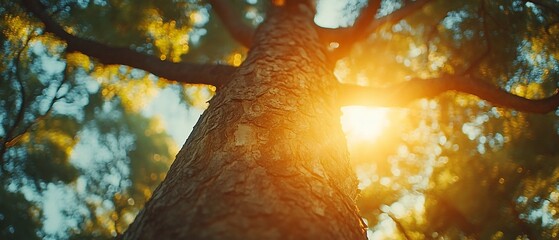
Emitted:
<point x="267" y="159"/>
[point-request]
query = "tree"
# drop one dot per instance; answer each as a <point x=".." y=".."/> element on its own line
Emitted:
<point x="268" y="158"/>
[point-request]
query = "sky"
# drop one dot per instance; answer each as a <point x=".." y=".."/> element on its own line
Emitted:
<point x="177" y="120"/>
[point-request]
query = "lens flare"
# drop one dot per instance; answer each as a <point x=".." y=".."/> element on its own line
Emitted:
<point x="363" y="123"/>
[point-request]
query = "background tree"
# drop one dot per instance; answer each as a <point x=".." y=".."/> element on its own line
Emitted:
<point x="50" y="111"/>
<point x="260" y="163"/>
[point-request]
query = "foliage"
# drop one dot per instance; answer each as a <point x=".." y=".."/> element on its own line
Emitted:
<point x="465" y="170"/>
<point x="53" y="103"/>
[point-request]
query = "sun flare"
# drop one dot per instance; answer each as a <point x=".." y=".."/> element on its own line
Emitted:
<point x="363" y="123"/>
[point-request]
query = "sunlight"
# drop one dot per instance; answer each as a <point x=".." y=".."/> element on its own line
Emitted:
<point x="363" y="123"/>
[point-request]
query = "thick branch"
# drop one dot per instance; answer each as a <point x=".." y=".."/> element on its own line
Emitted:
<point x="354" y="33"/>
<point x="190" y="73"/>
<point x="401" y="94"/>
<point x="240" y="31"/>
<point x="347" y="37"/>
<point x="365" y="26"/>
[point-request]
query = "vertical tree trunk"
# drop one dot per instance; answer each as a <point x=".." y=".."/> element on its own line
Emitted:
<point x="267" y="159"/>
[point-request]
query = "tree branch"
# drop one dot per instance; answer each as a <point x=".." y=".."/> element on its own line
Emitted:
<point x="347" y="37"/>
<point x="401" y="94"/>
<point x="189" y="73"/>
<point x="354" y="33"/>
<point x="11" y="134"/>
<point x="486" y="34"/>
<point x="399" y="225"/>
<point x="15" y="139"/>
<point x="545" y="5"/>
<point x="397" y="15"/>
<point x="365" y="25"/>
<point x="240" y="31"/>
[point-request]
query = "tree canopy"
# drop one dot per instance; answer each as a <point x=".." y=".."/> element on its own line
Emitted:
<point x="467" y="145"/>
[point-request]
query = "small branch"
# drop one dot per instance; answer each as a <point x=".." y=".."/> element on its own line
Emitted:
<point x="397" y="15"/>
<point x="233" y="22"/>
<point x="47" y="112"/>
<point x="483" y="18"/>
<point x="545" y="5"/>
<point x="189" y="73"/>
<point x="11" y="131"/>
<point x="399" y="225"/>
<point x="430" y="34"/>
<point x="401" y="94"/>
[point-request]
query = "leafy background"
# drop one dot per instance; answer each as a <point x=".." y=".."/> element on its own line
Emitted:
<point x="83" y="144"/>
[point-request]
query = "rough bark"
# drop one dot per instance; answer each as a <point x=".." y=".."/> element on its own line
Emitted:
<point x="267" y="159"/>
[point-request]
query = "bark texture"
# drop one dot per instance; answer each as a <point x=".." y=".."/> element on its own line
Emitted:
<point x="267" y="159"/>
